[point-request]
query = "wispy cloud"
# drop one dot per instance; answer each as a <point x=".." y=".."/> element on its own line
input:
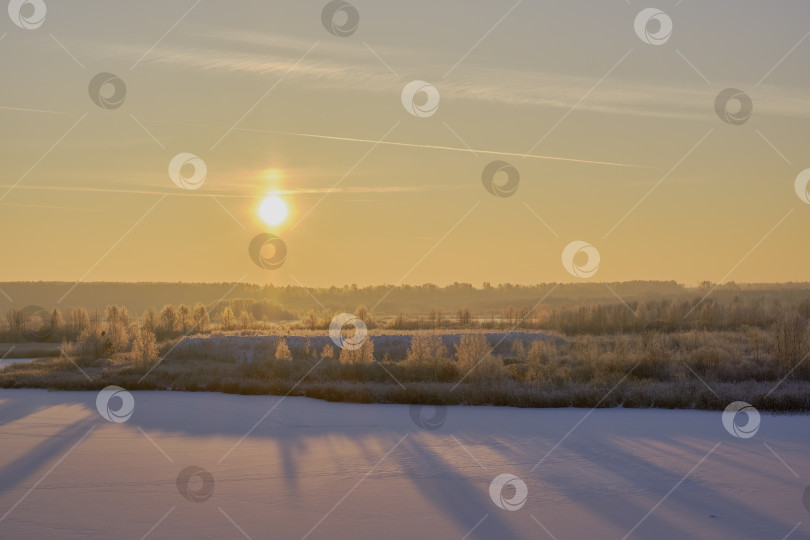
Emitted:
<point x="342" y="67"/>
<point x="53" y="207"/>
<point x="248" y="192"/>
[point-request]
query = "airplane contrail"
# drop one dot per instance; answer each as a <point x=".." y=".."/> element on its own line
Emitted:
<point x="35" y="110"/>
<point x="50" y="207"/>
<point x="390" y="143"/>
<point x="453" y="148"/>
<point x="413" y="145"/>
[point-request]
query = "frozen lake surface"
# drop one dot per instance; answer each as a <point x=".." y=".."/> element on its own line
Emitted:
<point x="267" y="467"/>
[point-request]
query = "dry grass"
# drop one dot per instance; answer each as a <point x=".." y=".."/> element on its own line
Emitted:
<point x="29" y="350"/>
<point x="694" y="369"/>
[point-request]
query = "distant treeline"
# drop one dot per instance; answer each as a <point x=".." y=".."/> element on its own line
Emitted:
<point x="52" y="325"/>
<point x="753" y="309"/>
<point x="740" y="311"/>
<point x="486" y="301"/>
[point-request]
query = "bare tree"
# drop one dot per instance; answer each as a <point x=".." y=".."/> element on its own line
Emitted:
<point x="364" y="315"/>
<point x="227" y="319"/>
<point x="116" y="334"/>
<point x="184" y="319"/>
<point x="15" y="319"/>
<point x="168" y="319"/>
<point x="57" y="322"/>
<point x="144" y="347"/>
<point x="245" y="319"/>
<point x="150" y="320"/>
<point x="201" y="318"/>
<point x="790" y="333"/>
<point x="311" y="320"/>
<point x="78" y="320"/>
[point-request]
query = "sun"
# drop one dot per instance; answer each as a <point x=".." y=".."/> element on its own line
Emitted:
<point x="273" y="210"/>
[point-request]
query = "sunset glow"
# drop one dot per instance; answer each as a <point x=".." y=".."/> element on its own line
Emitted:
<point x="350" y="269"/>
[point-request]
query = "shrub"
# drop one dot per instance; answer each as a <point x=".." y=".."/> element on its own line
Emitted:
<point x="428" y="358"/>
<point x="93" y="345"/>
<point x="541" y="358"/>
<point x="475" y="359"/>
<point x="282" y="350"/>
<point x="363" y="355"/>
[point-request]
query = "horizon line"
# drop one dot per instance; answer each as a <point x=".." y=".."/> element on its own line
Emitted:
<point x="345" y="285"/>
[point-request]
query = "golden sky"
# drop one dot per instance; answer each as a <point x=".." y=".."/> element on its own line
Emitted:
<point x="272" y="102"/>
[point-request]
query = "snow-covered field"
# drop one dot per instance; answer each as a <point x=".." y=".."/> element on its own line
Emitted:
<point x="268" y="467"/>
